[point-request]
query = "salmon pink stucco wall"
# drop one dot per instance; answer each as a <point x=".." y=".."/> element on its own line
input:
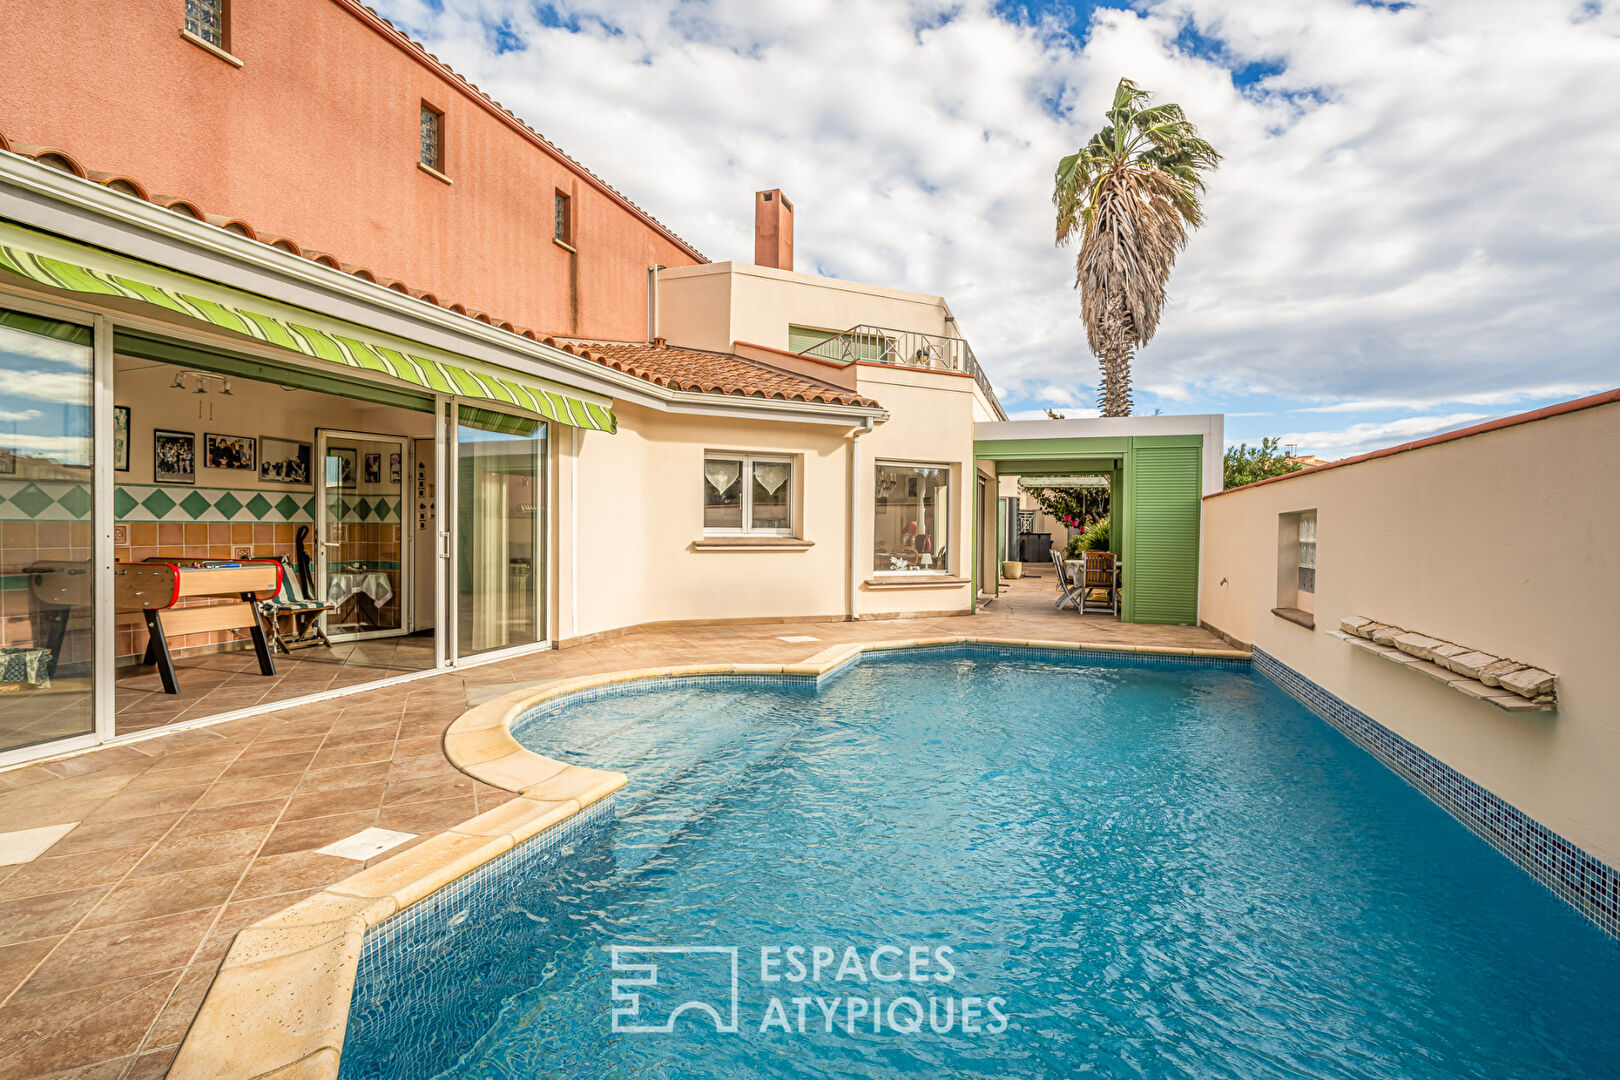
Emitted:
<point x="315" y="136"/>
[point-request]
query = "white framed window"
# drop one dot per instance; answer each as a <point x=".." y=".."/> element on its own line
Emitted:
<point x="911" y="520"/>
<point x="748" y="494"/>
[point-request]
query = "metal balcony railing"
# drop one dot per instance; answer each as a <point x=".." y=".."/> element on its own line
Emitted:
<point x="903" y="348"/>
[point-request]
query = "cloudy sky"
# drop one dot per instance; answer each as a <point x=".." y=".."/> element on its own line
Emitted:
<point x="1416" y="226"/>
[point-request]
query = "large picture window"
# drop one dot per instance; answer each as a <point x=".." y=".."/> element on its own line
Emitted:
<point x="747" y="493"/>
<point x="912" y="522"/>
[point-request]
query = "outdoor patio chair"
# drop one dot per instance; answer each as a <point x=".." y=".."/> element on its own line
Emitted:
<point x="1070" y="592"/>
<point x="1097" y="575"/>
<point x="304" y="612"/>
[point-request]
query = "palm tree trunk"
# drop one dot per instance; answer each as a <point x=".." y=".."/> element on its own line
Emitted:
<point x="1114" y="395"/>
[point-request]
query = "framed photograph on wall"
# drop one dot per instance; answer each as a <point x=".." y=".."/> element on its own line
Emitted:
<point x="373" y="468"/>
<point x="174" y="457"/>
<point x="284" y="461"/>
<point x="342" y="468"/>
<point x="394" y="472"/>
<point x="121" y="438"/>
<point x="8" y="461"/>
<point x="230" y="451"/>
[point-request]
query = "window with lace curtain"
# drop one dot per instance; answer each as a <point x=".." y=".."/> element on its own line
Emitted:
<point x="747" y="494"/>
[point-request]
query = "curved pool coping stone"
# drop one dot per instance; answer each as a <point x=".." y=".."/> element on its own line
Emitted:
<point x="279" y="1007"/>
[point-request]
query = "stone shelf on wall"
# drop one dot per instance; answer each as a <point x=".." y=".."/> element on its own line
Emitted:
<point x="1507" y="684"/>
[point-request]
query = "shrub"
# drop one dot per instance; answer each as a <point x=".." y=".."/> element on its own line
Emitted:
<point x="1093" y="538"/>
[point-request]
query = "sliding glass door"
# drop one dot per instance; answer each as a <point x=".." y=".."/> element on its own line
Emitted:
<point x="47" y="517"/>
<point x="500" y="528"/>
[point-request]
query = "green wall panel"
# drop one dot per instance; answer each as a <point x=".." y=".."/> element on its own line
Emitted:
<point x="1162" y="503"/>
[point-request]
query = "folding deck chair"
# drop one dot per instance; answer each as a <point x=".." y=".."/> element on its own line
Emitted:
<point x="1072" y="593"/>
<point x="1098" y="574"/>
<point x="305" y="612"/>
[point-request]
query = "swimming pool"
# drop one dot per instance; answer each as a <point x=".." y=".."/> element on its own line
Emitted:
<point x="1122" y="868"/>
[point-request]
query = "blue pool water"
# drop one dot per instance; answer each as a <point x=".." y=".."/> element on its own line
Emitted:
<point x="1157" y="869"/>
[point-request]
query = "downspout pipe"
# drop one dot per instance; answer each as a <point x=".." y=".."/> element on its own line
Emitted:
<point x="852" y="610"/>
<point x="652" y="302"/>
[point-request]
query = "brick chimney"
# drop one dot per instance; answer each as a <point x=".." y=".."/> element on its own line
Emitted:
<point x="773" y="229"/>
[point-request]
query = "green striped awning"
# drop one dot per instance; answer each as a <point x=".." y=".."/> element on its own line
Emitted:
<point x="63" y="264"/>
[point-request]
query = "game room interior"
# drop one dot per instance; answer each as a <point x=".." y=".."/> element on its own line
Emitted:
<point x="275" y="533"/>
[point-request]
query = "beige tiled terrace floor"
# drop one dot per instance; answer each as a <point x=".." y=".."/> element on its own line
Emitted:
<point x="109" y="940"/>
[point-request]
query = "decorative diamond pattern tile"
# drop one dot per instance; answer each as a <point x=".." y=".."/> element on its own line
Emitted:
<point x="227" y="505"/>
<point x="289" y="507"/>
<point x="258" y="506"/>
<point x="31" y="500"/>
<point x="43" y="500"/>
<point x="194" y="505"/>
<point x="158" y="504"/>
<point x="123" y="503"/>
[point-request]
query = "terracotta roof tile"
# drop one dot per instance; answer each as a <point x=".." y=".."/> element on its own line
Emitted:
<point x="690" y="370"/>
<point x="704" y="372"/>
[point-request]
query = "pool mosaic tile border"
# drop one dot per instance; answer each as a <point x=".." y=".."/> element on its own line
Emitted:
<point x="1580" y="879"/>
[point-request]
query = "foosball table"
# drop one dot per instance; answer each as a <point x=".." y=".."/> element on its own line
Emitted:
<point x="154" y="589"/>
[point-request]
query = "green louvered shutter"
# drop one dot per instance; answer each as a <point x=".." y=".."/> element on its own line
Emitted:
<point x="1162" y="564"/>
<point x="801" y="338"/>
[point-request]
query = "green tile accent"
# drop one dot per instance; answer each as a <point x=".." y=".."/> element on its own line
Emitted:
<point x="228" y="504"/>
<point x="258" y="506"/>
<point x="76" y="501"/>
<point x="31" y="500"/>
<point x="158" y="503"/>
<point x="288" y="507"/>
<point x="194" y="505"/>
<point x="123" y="503"/>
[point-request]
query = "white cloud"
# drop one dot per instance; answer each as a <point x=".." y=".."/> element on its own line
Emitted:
<point x="44" y="386"/>
<point x="1360" y="438"/>
<point x="1417" y="206"/>
<point x="17" y="416"/>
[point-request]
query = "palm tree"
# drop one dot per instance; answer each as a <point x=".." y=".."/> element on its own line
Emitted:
<point x="1131" y="194"/>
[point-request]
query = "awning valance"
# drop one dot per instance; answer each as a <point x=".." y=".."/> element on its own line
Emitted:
<point x="64" y="264"/>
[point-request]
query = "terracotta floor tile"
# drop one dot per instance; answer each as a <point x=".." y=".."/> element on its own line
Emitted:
<point x="424" y="765"/>
<point x="146" y="803"/>
<point x="252" y="765"/>
<point x="59" y="873"/>
<point x="345" y="800"/>
<point x="353" y="754"/>
<point x="314" y="833"/>
<point x="212" y="819"/>
<point x="171" y="1024"/>
<point x="273" y="874"/>
<point x="428" y="788"/>
<point x="153" y="1064"/>
<point x="16" y="961"/>
<point x="275" y="743"/>
<point x="257" y="789"/>
<point x="113" y="1031"/>
<point x="175" y="853"/>
<point x="46" y="914"/>
<point x="114" y="833"/>
<point x="375" y="772"/>
<point x="107" y="954"/>
<point x="427" y="818"/>
<point x="137" y="898"/>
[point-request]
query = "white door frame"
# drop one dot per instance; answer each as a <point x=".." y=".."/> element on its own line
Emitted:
<point x="406" y="541"/>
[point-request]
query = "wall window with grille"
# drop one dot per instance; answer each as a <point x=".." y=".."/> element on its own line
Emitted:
<point x="432" y="146"/>
<point x="206" y="21"/>
<point x="562" y="218"/>
<point x="911" y="523"/>
<point x="747" y="494"/>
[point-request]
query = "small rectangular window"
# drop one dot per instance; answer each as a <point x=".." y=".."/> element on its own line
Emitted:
<point x="432" y="138"/>
<point x="563" y="219"/>
<point x="1307" y="552"/>
<point x="205" y="19"/>
<point x="746" y="494"/>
